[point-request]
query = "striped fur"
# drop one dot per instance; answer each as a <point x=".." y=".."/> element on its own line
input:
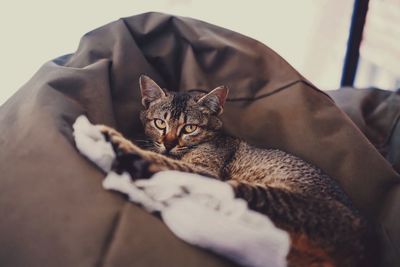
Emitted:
<point x="324" y="227"/>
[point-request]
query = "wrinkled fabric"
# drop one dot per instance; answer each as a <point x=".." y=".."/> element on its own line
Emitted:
<point x="376" y="113"/>
<point x="54" y="211"/>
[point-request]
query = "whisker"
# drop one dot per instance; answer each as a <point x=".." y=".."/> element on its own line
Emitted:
<point x="146" y="145"/>
<point x="183" y="149"/>
<point x="143" y="141"/>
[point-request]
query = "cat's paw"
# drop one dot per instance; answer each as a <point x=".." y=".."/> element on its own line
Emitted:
<point x="118" y="141"/>
<point x="136" y="165"/>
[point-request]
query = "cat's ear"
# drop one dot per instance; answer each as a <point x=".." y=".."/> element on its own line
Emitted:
<point x="215" y="99"/>
<point x="150" y="90"/>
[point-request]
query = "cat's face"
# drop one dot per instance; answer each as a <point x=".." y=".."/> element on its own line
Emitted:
<point x="177" y="122"/>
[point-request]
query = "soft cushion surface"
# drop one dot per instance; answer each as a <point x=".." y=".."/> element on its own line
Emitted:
<point x="376" y="113"/>
<point x="54" y="211"/>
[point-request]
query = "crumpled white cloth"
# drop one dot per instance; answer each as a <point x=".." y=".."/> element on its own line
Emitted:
<point x="199" y="210"/>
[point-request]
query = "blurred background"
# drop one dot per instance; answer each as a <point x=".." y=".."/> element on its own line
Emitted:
<point x="310" y="34"/>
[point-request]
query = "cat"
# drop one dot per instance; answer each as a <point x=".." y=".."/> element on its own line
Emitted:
<point x="185" y="130"/>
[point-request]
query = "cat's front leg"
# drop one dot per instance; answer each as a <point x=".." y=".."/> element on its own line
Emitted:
<point x="129" y="157"/>
<point x="141" y="163"/>
<point x="119" y="142"/>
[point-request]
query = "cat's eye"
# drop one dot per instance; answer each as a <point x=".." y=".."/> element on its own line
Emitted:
<point x="160" y="124"/>
<point x="189" y="128"/>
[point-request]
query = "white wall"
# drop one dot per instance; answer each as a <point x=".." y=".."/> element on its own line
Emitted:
<point x="33" y="32"/>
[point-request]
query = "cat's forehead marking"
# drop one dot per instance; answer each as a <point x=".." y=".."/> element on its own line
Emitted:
<point x="178" y="104"/>
<point x="182" y="118"/>
<point x="166" y="115"/>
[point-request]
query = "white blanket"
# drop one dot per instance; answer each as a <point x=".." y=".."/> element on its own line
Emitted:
<point x="197" y="209"/>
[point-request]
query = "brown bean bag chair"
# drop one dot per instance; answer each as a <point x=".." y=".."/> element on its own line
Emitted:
<point x="376" y="113"/>
<point x="53" y="209"/>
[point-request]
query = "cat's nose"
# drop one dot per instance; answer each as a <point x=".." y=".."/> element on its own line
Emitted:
<point x="170" y="143"/>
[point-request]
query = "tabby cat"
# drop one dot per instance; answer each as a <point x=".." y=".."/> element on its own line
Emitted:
<point x="185" y="130"/>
